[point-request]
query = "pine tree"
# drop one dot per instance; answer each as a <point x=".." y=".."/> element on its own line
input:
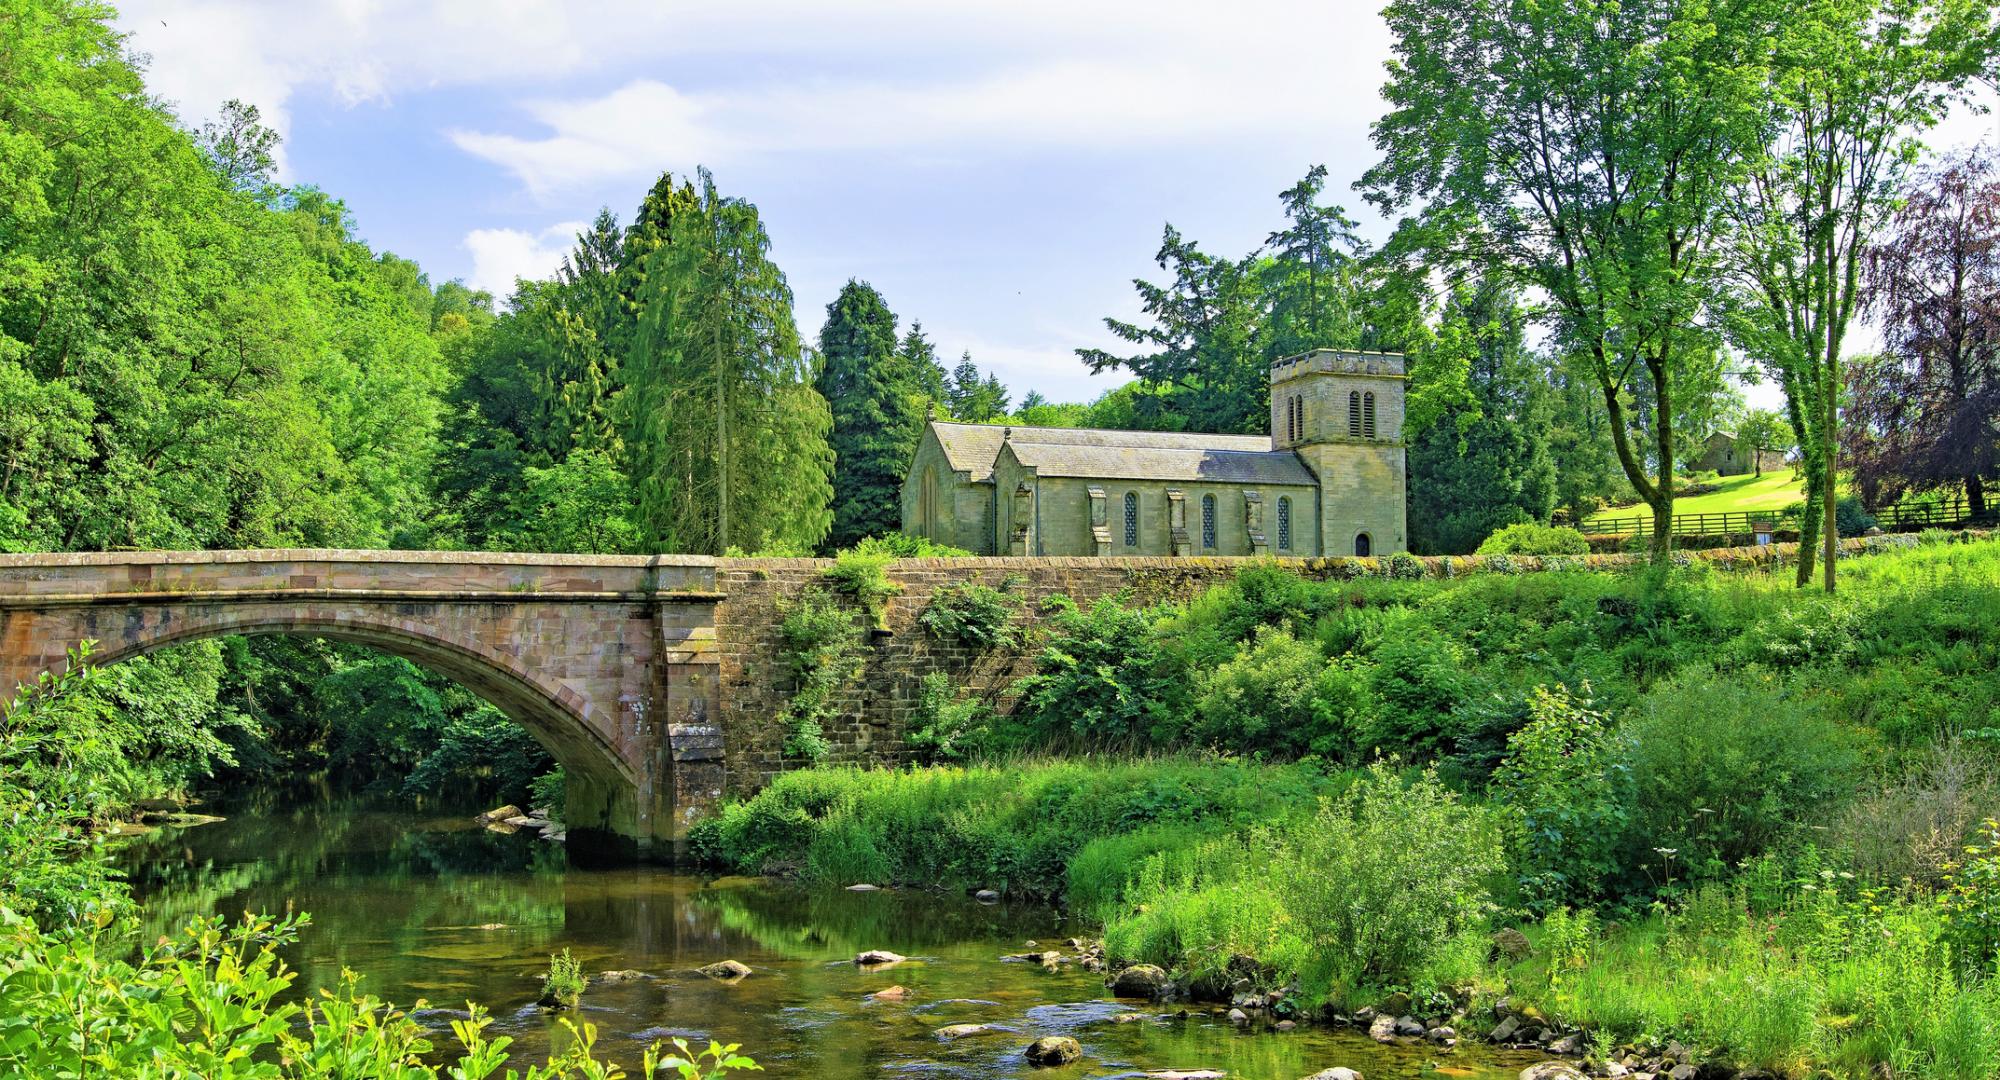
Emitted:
<point x="875" y="395"/>
<point x="963" y="393"/>
<point x="650" y="230"/>
<point x="724" y="434"/>
<point x="921" y="354"/>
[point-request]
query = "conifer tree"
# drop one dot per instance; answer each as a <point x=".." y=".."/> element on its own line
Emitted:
<point x="921" y="354"/>
<point x="725" y="437"/>
<point x="875" y="396"/>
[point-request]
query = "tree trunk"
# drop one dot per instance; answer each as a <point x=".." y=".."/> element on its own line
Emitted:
<point x="1832" y="483"/>
<point x="1811" y="514"/>
<point x="1975" y="495"/>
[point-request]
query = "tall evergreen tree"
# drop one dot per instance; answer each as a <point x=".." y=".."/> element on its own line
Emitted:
<point x="921" y="354"/>
<point x="876" y="397"/>
<point x="725" y="436"/>
<point x="650" y="230"/>
<point x="1480" y="460"/>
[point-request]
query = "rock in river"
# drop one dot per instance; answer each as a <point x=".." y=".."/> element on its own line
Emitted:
<point x="876" y="957"/>
<point x="1053" y="1050"/>
<point x="1551" y="1070"/>
<point x="1142" y="981"/>
<point x="1335" y="1073"/>
<point x="725" y="969"/>
<point x="960" y="1031"/>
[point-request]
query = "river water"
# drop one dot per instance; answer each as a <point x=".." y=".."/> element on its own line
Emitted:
<point x="432" y="907"/>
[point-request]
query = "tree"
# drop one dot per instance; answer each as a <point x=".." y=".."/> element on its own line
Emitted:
<point x="1925" y="414"/>
<point x="1852" y="86"/>
<point x="1582" y="150"/>
<point x="240" y="146"/>
<point x="920" y="354"/>
<point x="725" y="437"/>
<point x="875" y="395"/>
<point x="974" y="398"/>
<point x="1202" y="340"/>
<point x="1312" y="276"/>
<point x="1763" y="431"/>
<point x="1478" y="458"/>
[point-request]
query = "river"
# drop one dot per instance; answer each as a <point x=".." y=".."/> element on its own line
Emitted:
<point x="433" y="907"/>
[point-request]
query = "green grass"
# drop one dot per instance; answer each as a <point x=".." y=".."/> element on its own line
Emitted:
<point x="1775" y="490"/>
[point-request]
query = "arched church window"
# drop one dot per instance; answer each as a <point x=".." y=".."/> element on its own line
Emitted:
<point x="1284" y="523"/>
<point x="1208" y="521"/>
<point x="1363" y="546"/>
<point x="1368" y="414"/>
<point x="1131" y="519"/>
<point x="1354" y="413"/>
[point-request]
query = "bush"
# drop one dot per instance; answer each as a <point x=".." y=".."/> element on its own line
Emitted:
<point x="1418" y="681"/>
<point x="1097" y="681"/>
<point x="1528" y="538"/>
<point x="822" y="649"/>
<point x="973" y="615"/>
<point x="1278" y="695"/>
<point x="563" y="983"/>
<point x="897" y="545"/>
<point x="1569" y="798"/>
<point x="1851" y="518"/>
<point x="1725" y="765"/>
<point x="53" y="785"/>
<point x="864" y="576"/>
<point x="1383" y="886"/>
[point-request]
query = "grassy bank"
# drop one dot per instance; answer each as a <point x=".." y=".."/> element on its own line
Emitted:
<point x="1725" y="812"/>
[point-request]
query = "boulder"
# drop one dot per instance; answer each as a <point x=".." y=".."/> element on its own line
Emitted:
<point x="1409" y="1025"/>
<point x="878" y="957"/>
<point x="1051" y="1050"/>
<point x="499" y="814"/>
<point x="1336" y="1073"/>
<point x="1187" y="1074"/>
<point x="986" y="896"/>
<point x="891" y="993"/>
<point x="864" y="887"/>
<point x="1506" y="1029"/>
<point x="1285" y="1025"/>
<point x="1238" y="1016"/>
<point x="725" y="969"/>
<point x="1683" y="1071"/>
<point x="1441" y="1033"/>
<point x="1383" y="1028"/>
<point x="1568" y="1044"/>
<point x="1128" y="1018"/>
<point x="1511" y="945"/>
<point x="1142" y="981"/>
<point x="1396" y="1004"/>
<point x="960" y="1031"/>
<point x="619" y="976"/>
<point x="1551" y="1070"/>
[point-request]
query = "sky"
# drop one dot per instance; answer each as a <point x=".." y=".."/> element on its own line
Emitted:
<point x="1000" y="171"/>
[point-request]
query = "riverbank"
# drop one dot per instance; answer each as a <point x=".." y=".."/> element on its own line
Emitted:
<point x="1706" y="814"/>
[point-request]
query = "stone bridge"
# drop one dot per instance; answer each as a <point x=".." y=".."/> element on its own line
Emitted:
<point x="608" y="660"/>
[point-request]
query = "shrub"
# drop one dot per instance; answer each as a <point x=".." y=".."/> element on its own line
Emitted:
<point x="1569" y="798"/>
<point x="1913" y="826"/>
<point x="947" y="729"/>
<point x="898" y="545"/>
<point x="864" y="576"/>
<point x="1096" y="679"/>
<point x="973" y="615"/>
<point x="822" y="649"/>
<point x="1277" y="695"/>
<point x="549" y="793"/>
<point x="53" y="762"/>
<point x="1528" y="538"/>
<point x="1972" y="899"/>
<point x="1850" y="517"/>
<point x="1726" y="764"/>
<point x="1418" y="681"/>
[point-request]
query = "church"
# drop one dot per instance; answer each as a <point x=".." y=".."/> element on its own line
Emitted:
<point x="1328" y="480"/>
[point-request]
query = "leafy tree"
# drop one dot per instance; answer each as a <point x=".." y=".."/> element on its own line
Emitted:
<point x="874" y="392"/>
<point x="725" y="437"/>
<point x="582" y="503"/>
<point x="1852" y="86"/>
<point x="1583" y="151"/>
<point x="1925" y="414"/>
<point x="1763" y="431"/>
<point x="1479" y="461"/>
<point x="240" y="146"/>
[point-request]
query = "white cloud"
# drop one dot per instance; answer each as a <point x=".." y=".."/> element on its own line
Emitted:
<point x="500" y="256"/>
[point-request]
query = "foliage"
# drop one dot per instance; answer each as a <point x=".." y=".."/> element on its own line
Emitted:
<point x="1729" y="766"/>
<point x="905" y="546"/>
<point x="1972" y="899"/>
<point x="549" y="794"/>
<point x="725" y="437"/>
<point x="1095" y="680"/>
<point x="55" y="770"/>
<point x="822" y="650"/>
<point x="875" y="392"/>
<point x="1380" y="887"/>
<point x="214" y="1002"/>
<point x="1570" y="798"/>
<point x="563" y="984"/>
<point x="864" y="575"/>
<point x="1277" y="695"/>
<point x="947" y="728"/>
<point x="973" y="615"/>
<point x="1531" y="539"/>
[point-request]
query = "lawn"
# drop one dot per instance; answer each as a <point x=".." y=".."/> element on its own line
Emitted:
<point x="1774" y="490"/>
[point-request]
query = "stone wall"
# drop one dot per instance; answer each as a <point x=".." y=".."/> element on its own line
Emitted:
<point x="881" y="705"/>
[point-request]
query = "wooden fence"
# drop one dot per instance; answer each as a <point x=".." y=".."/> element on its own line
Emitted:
<point x="1944" y="513"/>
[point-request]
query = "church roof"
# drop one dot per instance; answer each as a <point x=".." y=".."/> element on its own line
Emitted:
<point x="1122" y="455"/>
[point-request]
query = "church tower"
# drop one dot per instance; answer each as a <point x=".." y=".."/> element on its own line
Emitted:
<point x="1341" y="411"/>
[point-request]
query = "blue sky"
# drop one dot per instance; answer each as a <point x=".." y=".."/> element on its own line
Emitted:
<point x="1000" y="171"/>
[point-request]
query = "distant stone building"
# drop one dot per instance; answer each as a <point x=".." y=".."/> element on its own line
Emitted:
<point x="1726" y="455"/>
<point x="1329" y="480"/>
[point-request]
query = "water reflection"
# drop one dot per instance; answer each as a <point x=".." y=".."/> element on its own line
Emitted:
<point x="430" y="906"/>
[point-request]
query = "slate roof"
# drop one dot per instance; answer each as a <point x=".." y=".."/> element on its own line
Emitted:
<point x="1123" y="455"/>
